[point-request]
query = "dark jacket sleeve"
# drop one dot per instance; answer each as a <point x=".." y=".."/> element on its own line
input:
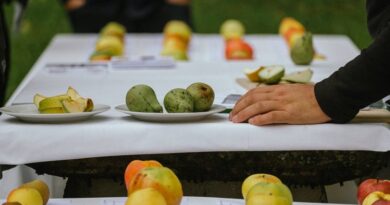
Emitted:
<point x="362" y="81"/>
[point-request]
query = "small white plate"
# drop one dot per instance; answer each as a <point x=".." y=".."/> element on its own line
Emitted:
<point x="29" y="113"/>
<point x="170" y="117"/>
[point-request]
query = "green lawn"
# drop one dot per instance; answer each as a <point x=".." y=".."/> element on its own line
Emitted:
<point x="45" y="18"/>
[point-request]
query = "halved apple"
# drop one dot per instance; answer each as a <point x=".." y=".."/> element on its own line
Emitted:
<point x="271" y="74"/>
<point x="299" y="77"/>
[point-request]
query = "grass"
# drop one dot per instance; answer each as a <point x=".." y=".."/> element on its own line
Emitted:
<point x="45" y="18"/>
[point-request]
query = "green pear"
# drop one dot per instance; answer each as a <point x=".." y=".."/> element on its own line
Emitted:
<point x="202" y="95"/>
<point x="142" y="98"/>
<point x="178" y="100"/>
<point x="302" y="51"/>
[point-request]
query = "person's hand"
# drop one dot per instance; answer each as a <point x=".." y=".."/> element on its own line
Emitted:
<point x="279" y="104"/>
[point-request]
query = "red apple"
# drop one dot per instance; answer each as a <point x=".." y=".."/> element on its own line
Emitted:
<point x="371" y="185"/>
<point x="238" y="49"/>
<point x="377" y="198"/>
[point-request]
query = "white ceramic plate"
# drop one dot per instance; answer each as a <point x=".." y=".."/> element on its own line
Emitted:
<point x="170" y="117"/>
<point x="29" y="113"/>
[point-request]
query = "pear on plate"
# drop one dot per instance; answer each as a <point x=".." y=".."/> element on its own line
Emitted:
<point x="271" y="74"/>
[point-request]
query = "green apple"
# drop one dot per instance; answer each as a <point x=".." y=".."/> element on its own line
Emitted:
<point x="270" y="189"/>
<point x="110" y="44"/>
<point x="202" y="95"/>
<point x="271" y="74"/>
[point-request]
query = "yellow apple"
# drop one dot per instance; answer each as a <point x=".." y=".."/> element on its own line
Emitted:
<point x="232" y="29"/>
<point x="110" y="44"/>
<point x="179" y="29"/>
<point x="271" y="189"/>
<point x="288" y="23"/>
<point x="114" y="29"/>
<point x="267" y="200"/>
<point x="147" y="196"/>
<point x="42" y="188"/>
<point x="25" y="196"/>
<point x="253" y="179"/>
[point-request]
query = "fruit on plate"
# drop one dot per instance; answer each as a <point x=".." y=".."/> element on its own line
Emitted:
<point x="111" y="44"/>
<point x="271" y="74"/>
<point x="142" y="98"/>
<point x="299" y="76"/>
<point x="372" y="185"/>
<point x="161" y="179"/>
<point x="69" y="102"/>
<point x="114" y="29"/>
<point x="202" y="96"/>
<point x="302" y="51"/>
<point x="33" y="193"/>
<point x="178" y="29"/>
<point x="253" y="179"/>
<point x="135" y="166"/>
<point x="147" y="196"/>
<point x="231" y="29"/>
<point x="178" y="100"/>
<point x="238" y="49"/>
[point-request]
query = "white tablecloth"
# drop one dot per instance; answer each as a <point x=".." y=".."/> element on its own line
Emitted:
<point x="113" y="133"/>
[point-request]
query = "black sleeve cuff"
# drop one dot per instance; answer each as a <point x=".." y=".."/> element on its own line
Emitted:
<point x="332" y="105"/>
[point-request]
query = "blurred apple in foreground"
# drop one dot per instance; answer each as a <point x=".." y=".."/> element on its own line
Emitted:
<point x="372" y="185"/>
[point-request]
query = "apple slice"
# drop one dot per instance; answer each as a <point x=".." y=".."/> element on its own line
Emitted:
<point x="72" y="106"/>
<point x="52" y="104"/>
<point x="271" y="74"/>
<point x="38" y="98"/>
<point x="89" y="107"/>
<point x="253" y="74"/>
<point x="299" y="77"/>
<point x="25" y="196"/>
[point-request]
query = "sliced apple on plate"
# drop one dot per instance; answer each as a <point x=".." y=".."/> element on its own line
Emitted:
<point x="271" y="74"/>
<point x="299" y="77"/>
<point x="70" y="102"/>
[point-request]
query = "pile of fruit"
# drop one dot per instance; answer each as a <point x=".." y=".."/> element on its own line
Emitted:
<point x="299" y="41"/>
<point x="374" y="192"/>
<point x="33" y="193"/>
<point x="70" y="102"/>
<point x="110" y="43"/>
<point x="198" y="97"/>
<point x="261" y="189"/>
<point x="150" y="183"/>
<point x="177" y="36"/>
<point x="274" y="74"/>
<point x="235" y="46"/>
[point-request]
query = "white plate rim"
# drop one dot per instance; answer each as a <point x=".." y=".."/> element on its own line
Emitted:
<point x="216" y="108"/>
<point x="98" y="108"/>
